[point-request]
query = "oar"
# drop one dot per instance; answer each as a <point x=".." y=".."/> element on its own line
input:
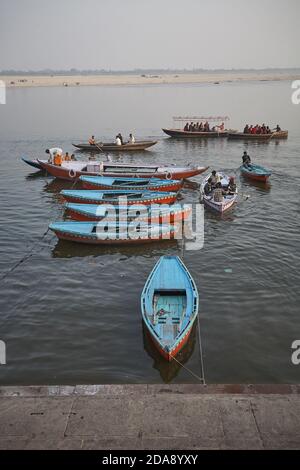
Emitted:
<point x="101" y="150"/>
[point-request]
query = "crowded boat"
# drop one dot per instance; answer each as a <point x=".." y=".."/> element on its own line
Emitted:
<point x="260" y="129"/>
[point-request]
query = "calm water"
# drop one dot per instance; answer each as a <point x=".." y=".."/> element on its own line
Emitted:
<point x="71" y="314"/>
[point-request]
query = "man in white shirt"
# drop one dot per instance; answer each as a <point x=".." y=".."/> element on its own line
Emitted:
<point x="131" y="139"/>
<point x="52" y="152"/>
<point x="118" y="140"/>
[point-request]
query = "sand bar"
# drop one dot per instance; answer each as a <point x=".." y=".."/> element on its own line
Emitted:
<point x="145" y="79"/>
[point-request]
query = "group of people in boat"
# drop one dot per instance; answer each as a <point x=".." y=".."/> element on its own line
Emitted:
<point x="119" y="140"/>
<point x="203" y="127"/>
<point x="263" y="129"/>
<point x="214" y="188"/>
<point x="56" y="156"/>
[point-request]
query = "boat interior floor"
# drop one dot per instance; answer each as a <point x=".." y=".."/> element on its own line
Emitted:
<point x="169" y="309"/>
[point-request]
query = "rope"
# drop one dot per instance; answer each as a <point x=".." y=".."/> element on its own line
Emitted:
<point x="25" y="258"/>
<point x="189" y="370"/>
<point x="200" y="352"/>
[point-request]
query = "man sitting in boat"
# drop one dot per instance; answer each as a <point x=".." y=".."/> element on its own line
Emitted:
<point x="121" y="138"/>
<point x="246" y="160"/>
<point x="246" y="129"/>
<point x="52" y="152"/>
<point x="92" y="140"/>
<point x="118" y="140"/>
<point x="278" y="128"/>
<point x="201" y="127"/>
<point x="221" y="127"/>
<point x="231" y="188"/>
<point x="218" y="193"/>
<point x="67" y="157"/>
<point x="186" y="127"/>
<point x="131" y="139"/>
<point x="214" y="179"/>
<point x="208" y="187"/>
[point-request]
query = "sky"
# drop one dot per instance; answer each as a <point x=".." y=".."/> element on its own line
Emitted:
<point x="148" y="34"/>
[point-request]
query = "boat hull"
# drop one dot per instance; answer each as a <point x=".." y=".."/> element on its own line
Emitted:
<point x="262" y="137"/>
<point x="252" y="175"/>
<point x="196" y="134"/>
<point x="166" y="198"/>
<point x="176" y="216"/>
<point x="169" y="355"/>
<point x="111" y="147"/>
<point x="219" y="207"/>
<point x="174" y="186"/>
<point x="71" y="174"/>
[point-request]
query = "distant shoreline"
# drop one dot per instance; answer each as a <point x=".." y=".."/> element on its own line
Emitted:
<point x="23" y="81"/>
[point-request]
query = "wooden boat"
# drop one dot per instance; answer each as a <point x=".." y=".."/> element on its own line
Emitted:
<point x="154" y="213"/>
<point x="262" y="137"/>
<point x="256" y="172"/>
<point x="182" y="133"/>
<point x="228" y="200"/>
<point x="143" y="184"/>
<point x="34" y="163"/>
<point x="117" y="197"/>
<point x="105" y="233"/>
<point x="112" y="147"/>
<point x="169" y="304"/>
<point x="73" y="170"/>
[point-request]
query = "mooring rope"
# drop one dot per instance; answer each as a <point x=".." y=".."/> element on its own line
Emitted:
<point x="189" y="370"/>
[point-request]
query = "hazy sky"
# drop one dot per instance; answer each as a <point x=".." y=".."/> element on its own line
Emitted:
<point x="128" y="34"/>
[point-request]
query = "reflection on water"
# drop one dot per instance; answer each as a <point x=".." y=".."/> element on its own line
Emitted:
<point x="169" y="370"/>
<point x="69" y="249"/>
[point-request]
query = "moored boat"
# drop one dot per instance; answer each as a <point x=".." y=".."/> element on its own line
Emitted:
<point x="105" y="233"/>
<point x="255" y="172"/>
<point x="112" y="147"/>
<point x="262" y="137"/>
<point x="155" y="213"/>
<point x="143" y="184"/>
<point x="215" y="132"/>
<point x="73" y="170"/>
<point x="169" y="304"/>
<point x="228" y="199"/>
<point x="117" y="197"/>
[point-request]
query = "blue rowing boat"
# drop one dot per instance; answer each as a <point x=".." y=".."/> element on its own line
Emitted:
<point x="169" y="304"/>
<point x="112" y="233"/>
<point x="142" y="184"/>
<point x="255" y="172"/>
<point x="115" y="196"/>
<point x="155" y="214"/>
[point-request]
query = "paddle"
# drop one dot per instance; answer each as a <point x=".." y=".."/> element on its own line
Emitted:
<point x="101" y="150"/>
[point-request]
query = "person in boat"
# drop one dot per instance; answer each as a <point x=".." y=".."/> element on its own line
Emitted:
<point x="231" y="189"/>
<point x="221" y="127"/>
<point x="246" y="160"/>
<point x="208" y="187"/>
<point x="186" y="127"/>
<point x="67" y="157"/>
<point x="121" y="138"/>
<point x="52" y="152"/>
<point x="246" y="129"/>
<point x="191" y="127"/>
<point x="214" y="179"/>
<point x="73" y="158"/>
<point x="131" y="139"/>
<point x="268" y="130"/>
<point x="118" y="140"/>
<point x="278" y="128"/>
<point x="92" y="140"/>
<point x="201" y="127"/>
<point x="218" y="193"/>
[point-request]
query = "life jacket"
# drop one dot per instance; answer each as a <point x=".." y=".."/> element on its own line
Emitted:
<point x="57" y="159"/>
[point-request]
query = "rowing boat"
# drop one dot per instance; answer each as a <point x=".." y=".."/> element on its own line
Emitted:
<point x="256" y="172"/>
<point x="112" y="147"/>
<point x="110" y="233"/>
<point x="155" y="213"/>
<point x="169" y="304"/>
<point x="228" y="199"/>
<point x="143" y="184"/>
<point x="34" y="163"/>
<point x="73" y="170"/>
<point x="87" y="196"/>
<point x="263" y="137"/>
<point x="198" y="134"/>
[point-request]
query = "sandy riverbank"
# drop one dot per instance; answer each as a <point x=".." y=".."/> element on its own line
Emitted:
<point x="131" y="79"/>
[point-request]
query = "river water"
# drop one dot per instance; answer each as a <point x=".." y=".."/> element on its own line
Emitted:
<point x="70" y="314"/>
